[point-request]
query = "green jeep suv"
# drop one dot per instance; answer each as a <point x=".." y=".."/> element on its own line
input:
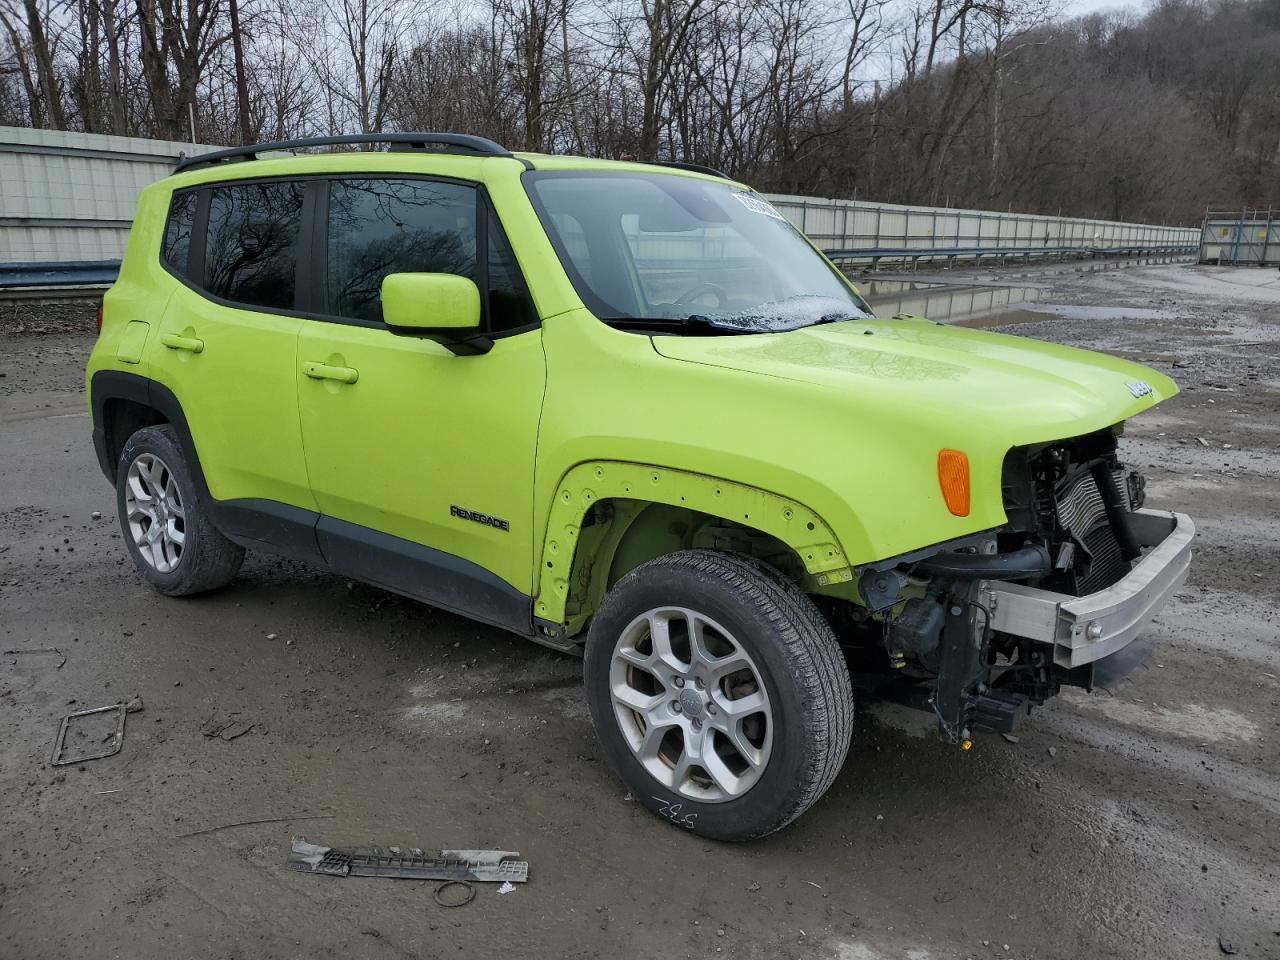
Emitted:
<point x="624" y="410"/>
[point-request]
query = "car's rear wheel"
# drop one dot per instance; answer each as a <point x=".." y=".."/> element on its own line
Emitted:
<point x="719" y="693"/>
<point x="167" y="530"/>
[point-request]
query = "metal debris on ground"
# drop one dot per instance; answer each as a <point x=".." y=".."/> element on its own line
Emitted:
<point x="226" y="728"/>
<point x="467" y="895"/>
<point x="52" y="650"/>
<point x="506" y="887"/>
<point x="114" y="742"/>
<point x="411" y="863"/>
<point x="250" y="823"/>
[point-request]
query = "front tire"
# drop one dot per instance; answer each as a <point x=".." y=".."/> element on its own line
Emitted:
<point x="718" y="692"/>
<point x="166" y="527"/>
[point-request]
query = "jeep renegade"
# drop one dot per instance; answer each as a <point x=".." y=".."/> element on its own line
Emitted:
<point x="625" y="410"/>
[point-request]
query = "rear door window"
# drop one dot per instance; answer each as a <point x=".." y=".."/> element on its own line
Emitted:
<point x="251" y="248"/>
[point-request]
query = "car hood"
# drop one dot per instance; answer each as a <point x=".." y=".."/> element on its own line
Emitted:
<point x="1024" y="390"/>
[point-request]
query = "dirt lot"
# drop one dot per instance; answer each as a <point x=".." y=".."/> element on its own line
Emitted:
<point x="1144" y="822"/>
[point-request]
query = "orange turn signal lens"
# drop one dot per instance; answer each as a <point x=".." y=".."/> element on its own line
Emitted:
<point x="953" y="478"/>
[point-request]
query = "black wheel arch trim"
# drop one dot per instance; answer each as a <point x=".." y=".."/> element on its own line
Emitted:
<point x="109" y="385"/>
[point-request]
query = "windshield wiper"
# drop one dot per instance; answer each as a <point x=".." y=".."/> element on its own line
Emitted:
<point x="697" y="321"/>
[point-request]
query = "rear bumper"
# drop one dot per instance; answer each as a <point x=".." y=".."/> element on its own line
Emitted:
<point x="1084" y="629"/>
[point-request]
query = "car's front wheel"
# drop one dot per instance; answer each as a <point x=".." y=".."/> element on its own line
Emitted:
<point x="719" y="693"/>
<point x="166" y="527"/>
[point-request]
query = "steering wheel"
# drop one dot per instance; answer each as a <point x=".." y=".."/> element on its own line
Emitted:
<point x="692" y="294"/>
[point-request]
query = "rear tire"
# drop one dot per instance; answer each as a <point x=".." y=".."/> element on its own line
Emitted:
<point x="167" y="529"/>
<point x="718" y="692"/>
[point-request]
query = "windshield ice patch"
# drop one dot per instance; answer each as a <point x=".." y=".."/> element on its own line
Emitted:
<point x="756" y="205"/>
<point x="779" y="316"/>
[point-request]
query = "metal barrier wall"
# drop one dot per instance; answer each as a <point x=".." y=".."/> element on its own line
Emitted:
<point x="67" y="201"/>
<point x="852" y="229"/>
<point x="1242" y="237"/>
<point x="70" y="197"/>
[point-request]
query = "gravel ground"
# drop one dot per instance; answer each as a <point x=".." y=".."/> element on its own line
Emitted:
<point x="1140" y="822"/>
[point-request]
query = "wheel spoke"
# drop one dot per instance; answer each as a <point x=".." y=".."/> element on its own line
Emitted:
<point x="138" y="488"/>
<point x="680" y="773"/>
<point x="634" y="657"/>
<point x="743" y="706"/>
<point x="156" y="553"/>
<point x="175" y="536"/>
<point x="732" y="731"/>
<point x="721" y="775"/>
<point x="145" y="476"/>
<point x="660" y="636"/>
<point x="654" y="734"/>
<point x="713" y="666"/>
<point x="724" y="666"/>
<point x="637" y="700"/>
<point x="139" y="511"/>
<point x="698" y="651"/>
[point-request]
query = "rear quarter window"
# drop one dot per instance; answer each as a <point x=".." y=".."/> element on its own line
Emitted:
<point x="176" y="249"/>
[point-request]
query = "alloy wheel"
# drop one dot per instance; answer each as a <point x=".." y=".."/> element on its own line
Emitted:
<point x="155" y="513"/>
<point x="691" y="704"/>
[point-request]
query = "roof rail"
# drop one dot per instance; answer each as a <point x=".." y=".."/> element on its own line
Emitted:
<point x="451" y="142"/>
<point x="691" y="167"/>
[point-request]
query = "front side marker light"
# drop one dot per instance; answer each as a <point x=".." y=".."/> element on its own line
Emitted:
<point x="953" y="479"/>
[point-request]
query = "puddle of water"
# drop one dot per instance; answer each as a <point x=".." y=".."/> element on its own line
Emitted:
<point x="948" y="303"/>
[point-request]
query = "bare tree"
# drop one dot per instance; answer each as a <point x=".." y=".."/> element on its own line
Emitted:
<point x="179" y="38"/>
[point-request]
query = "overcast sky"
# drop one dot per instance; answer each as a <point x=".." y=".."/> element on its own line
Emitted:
<point x="1076" y="7"/>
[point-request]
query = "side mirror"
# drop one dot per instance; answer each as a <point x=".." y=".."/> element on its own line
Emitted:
<point x="439" y="306"/>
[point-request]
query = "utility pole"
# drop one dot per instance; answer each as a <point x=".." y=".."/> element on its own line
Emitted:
<point x="242" y="85"/>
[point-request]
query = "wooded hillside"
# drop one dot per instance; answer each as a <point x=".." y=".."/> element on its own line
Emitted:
<point x="993" y="104"/>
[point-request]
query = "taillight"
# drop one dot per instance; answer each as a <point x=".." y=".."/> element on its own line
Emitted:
<point x="953" y="478"/>
<point x="99" y="316"/>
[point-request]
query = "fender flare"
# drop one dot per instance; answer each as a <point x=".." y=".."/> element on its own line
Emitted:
<point x="118" y="385"/>
<point x="800" y="528"/>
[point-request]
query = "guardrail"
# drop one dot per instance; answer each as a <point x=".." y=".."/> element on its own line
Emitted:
<point x="78" y="273"/>
<point x="915" y="254"/>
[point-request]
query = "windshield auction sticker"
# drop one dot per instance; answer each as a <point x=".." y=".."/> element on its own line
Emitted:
<point x="756" y="205"/>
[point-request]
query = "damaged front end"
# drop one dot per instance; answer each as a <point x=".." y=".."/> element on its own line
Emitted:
<point x="979" y="630"/>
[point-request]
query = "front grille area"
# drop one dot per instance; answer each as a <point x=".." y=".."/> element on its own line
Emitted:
<point x="1051" y="497"/>
<point x="1098" y="561"/>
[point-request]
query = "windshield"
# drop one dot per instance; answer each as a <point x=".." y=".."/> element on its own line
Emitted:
<point x="674" y="251"/>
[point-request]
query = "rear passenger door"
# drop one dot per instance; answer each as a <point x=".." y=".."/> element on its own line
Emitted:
<point x="423" y="466"/>
<point x="228" y="342"/>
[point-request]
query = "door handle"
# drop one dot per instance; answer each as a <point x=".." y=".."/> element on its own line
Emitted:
<point x="175" y="342"/>
<point x="322" y="371"/>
